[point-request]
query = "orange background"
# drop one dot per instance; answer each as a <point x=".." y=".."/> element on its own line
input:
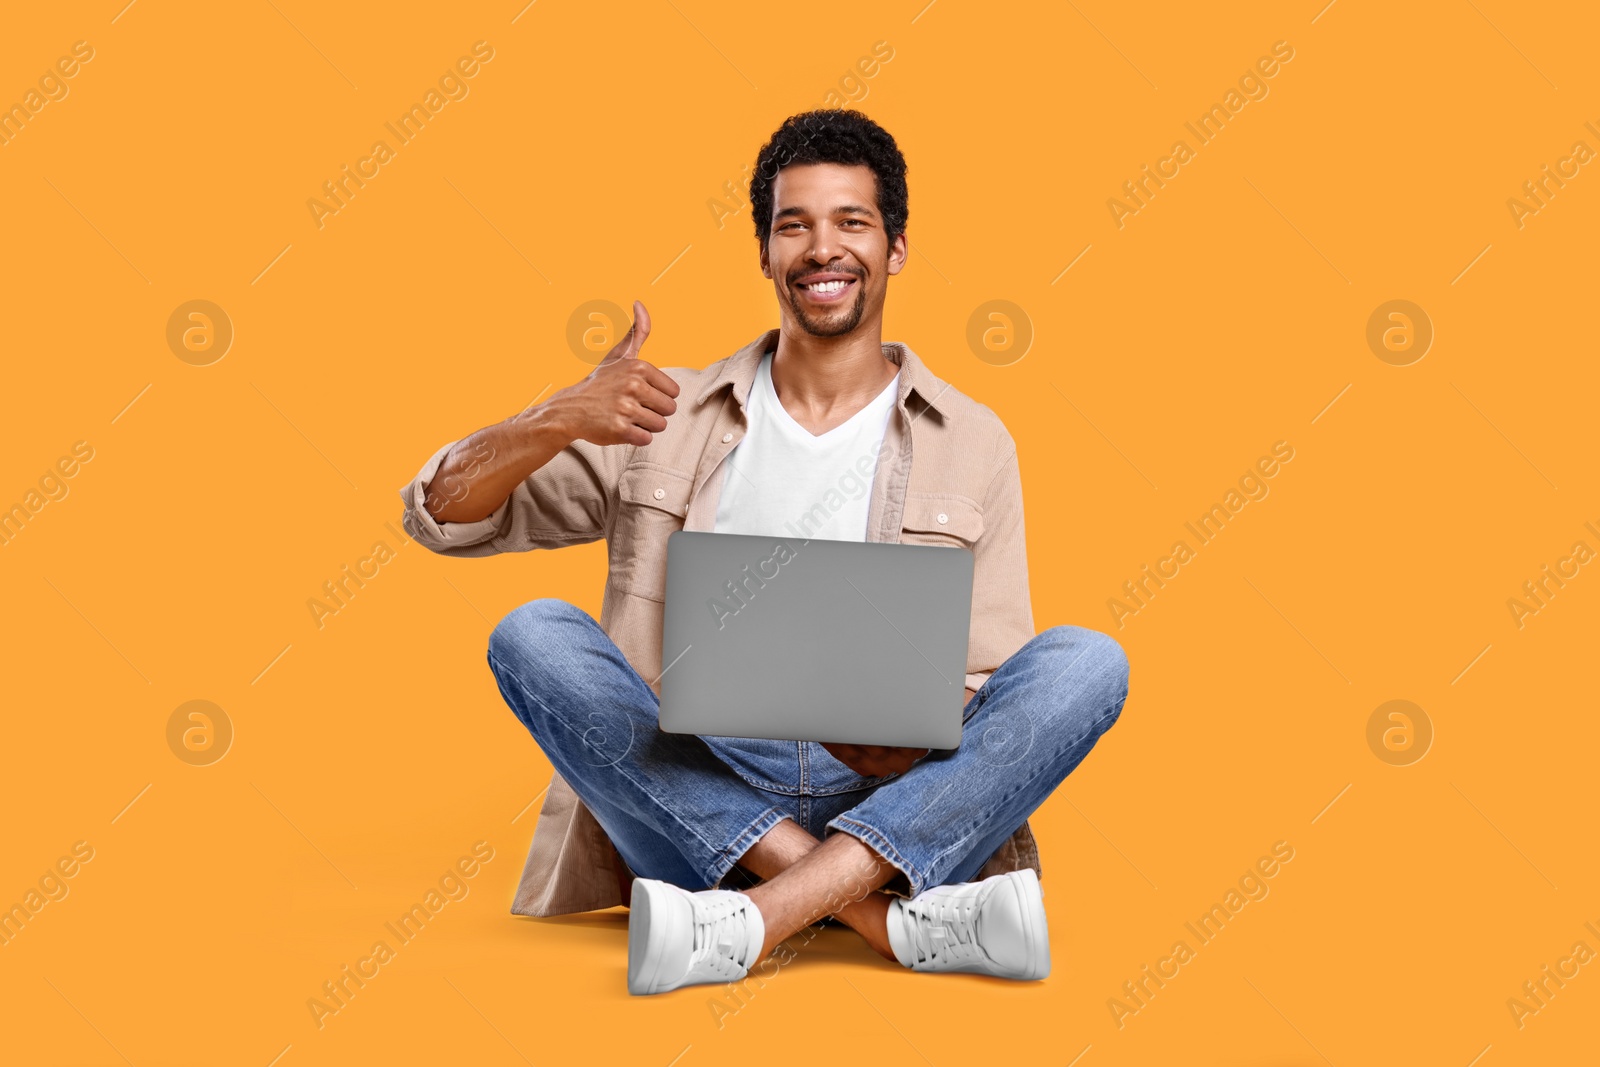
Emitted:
<point x="1225" y="316"/>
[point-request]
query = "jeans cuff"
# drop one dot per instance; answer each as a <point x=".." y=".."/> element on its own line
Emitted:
<point x="729" y="857"/>
<point x="874" y="839"/>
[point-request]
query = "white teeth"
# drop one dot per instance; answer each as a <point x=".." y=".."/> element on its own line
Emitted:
<point x="826" y="287"/>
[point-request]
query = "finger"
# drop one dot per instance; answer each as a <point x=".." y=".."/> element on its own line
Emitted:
<point x="659" y="378"/>
<point x="620" y="349"/>
<point x="905" y="758"/>
<point x="657" y="401"/>
<point x="638" y="330"/>
<point x="646" y="419"/>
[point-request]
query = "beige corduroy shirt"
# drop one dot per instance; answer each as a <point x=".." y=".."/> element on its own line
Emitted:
<point x="947" y="475"/>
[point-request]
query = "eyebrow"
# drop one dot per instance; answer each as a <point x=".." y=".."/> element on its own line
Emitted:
<point x="842" y="209"/>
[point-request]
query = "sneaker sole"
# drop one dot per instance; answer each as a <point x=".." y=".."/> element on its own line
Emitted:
<point x="650" y="908"/>
<point x="1034" y="925"/>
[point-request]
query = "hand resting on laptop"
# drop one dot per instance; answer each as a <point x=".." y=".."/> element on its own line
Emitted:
<point x="877" y="761"/>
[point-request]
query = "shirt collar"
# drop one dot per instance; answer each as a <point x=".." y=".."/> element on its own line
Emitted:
<point x="739" y="370"/>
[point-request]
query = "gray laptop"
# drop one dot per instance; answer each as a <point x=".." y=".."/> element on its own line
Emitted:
<point x="814" y="640"/>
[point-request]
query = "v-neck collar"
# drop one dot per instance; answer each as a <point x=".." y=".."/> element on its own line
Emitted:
<point x="739" y="371"/>
<point x="769" y="396"/>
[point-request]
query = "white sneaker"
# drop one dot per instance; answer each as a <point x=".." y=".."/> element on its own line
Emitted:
<point x="994" y="927"/>
<point x="678" y="938"/>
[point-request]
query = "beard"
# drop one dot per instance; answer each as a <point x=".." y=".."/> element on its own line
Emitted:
<point x="834" y="321"/>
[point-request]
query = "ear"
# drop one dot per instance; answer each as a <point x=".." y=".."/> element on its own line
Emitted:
<point x="766" y="266"/>
<point x="897" y="253"/>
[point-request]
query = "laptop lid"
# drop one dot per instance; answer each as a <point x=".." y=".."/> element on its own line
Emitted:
<point x="815" y="640"/>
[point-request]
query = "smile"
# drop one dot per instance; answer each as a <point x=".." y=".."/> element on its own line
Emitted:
<point x="826" y="292"/>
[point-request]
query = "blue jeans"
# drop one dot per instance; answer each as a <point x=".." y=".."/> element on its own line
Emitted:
<point x="683" y="808"/>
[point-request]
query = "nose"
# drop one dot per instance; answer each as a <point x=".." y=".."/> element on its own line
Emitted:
<point x="824" y="248"/>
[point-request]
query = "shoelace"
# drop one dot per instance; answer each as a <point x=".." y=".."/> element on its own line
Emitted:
<point x="944" y="929"/>
<point x="721" y="937"/>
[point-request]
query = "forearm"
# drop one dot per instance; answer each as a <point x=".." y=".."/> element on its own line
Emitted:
<point x="482" y="469"/>
<point x="623" y="401"/>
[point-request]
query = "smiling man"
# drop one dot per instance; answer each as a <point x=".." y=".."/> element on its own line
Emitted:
<point x="818" y="429"/>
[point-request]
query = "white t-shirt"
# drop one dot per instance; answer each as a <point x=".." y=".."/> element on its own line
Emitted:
<point x="782" y="480"/>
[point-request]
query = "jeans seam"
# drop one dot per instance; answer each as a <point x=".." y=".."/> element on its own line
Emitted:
<point x="979" y="699"/>
<point x="963" y="839"/>
<point x="865" y="783"/>
<point x="705" y="845"/>
<point x="1090" y="736"/>
<point x="1113" y="709"/>
<point x="760" y="783"/>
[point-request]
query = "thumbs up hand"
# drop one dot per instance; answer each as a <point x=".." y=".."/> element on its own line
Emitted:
<point x="624" y="400"/>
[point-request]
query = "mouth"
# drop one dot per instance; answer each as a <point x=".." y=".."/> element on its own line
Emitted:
<point x="827" y="290"/>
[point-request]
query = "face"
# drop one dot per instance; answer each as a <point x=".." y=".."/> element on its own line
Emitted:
<point x="828" y="254"/>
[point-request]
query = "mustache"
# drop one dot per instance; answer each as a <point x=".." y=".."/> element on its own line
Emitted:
<point x="794" y="279"/>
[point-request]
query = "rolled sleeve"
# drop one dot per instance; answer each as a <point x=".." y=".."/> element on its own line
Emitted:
<point x="447" y="538"/>
<point x="568" y="501"/>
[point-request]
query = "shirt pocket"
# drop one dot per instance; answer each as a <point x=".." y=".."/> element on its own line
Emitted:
<point x="941" y="519"/>
<point x="652" y="502"/>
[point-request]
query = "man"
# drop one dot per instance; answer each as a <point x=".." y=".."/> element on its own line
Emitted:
<point x="815" y="429"/>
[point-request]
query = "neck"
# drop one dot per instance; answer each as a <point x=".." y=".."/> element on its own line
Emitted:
<point x="818" y="378"/>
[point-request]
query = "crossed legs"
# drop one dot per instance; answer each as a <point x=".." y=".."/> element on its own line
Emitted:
<point x="804" y="879"/>
<point x="677" y="813"/>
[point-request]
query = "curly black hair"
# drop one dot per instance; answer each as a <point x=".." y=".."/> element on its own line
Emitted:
<point x="832" y="135"/>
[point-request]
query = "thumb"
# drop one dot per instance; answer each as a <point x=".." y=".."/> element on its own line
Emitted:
<point x="628" y="347"/>
<point x="634" y="341"/>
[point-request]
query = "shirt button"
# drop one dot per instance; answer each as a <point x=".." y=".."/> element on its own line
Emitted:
<point x="662" y="492"/>
<point x="943" y="518"/>
<point x="727" y="437"/>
